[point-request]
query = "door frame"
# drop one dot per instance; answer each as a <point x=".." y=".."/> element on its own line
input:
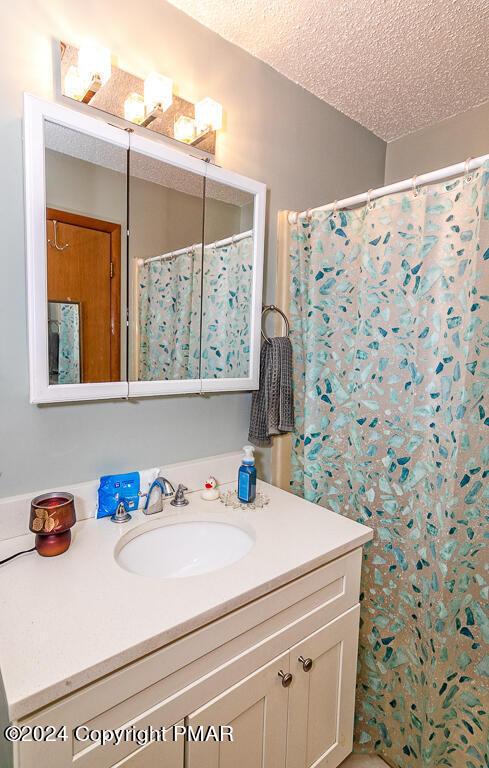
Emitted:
<point x="114" y="231"/>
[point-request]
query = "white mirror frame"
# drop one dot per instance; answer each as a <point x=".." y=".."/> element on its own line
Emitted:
<point x="36" y="111"/>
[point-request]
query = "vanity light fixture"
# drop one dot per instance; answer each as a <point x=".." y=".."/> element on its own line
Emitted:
<point x="158" y="96"/>
<point x="94" y="68"/>
<point x="184" y="129"/>
<point x="73" y="84"/>
<point x="87" y="72"/>
<point x="134" y="109"/>
<point x="208" y="115"/>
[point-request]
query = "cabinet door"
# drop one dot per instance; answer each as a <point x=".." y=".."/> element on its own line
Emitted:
<point x="166" y="754"/>
<point x="256" y="708"/>
<point x="322" y="696"/>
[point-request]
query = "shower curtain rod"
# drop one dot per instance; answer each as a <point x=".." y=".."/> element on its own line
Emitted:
<point x="216" y="244"/>
<point x="399" y="186"/>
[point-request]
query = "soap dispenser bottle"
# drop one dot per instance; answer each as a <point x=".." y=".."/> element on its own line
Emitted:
<point x="247" y="476"/>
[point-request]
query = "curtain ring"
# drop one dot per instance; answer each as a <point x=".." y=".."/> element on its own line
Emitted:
<point x="415" y="188"/>
<point x="293" y="217"/>
<point x="308" y="214"/>
<point x="467" y="174"/>
<point x="335" y="207"/>
<point x="370" y="205"/>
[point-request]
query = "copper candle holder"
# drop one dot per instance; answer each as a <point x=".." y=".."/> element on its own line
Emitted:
<point x="52" y="516"/>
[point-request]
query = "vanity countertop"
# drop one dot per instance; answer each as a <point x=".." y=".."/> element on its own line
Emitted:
<point x="69" y="620"/>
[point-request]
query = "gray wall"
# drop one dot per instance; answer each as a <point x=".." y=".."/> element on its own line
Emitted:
<point x="306" y="152"/>
<point x="446" y="143"/>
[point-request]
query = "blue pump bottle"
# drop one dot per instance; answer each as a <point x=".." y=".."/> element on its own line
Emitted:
<point x="247" y="476"/>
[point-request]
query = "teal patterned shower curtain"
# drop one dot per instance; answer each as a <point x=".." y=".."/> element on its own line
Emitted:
<point x="226" y="308"/>
<point x="390" y="319"/>
<point x="171" y="312"/>
<point x="169" y="316"/>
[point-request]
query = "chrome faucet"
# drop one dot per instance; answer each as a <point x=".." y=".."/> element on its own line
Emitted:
<point x="165" y="489"/>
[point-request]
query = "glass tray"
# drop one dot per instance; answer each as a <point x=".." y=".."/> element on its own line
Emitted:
<point x="230" y="499"/>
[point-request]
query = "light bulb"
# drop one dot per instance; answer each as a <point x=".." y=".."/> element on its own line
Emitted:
<point x="134" y="108"/>
<point x="184" y="129"/>
<point x="93" y="63"/>
<point x="208" y="115"/>
<point x="73" y="85"/>
<point x="158" y="91"/>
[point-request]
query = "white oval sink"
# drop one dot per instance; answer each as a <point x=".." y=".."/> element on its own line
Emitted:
<point x="184" y="549"/>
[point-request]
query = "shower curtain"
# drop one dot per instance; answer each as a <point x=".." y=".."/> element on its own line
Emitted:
<point x="390" y="318"/>
<point x="226" y="309"/>
<point x="169" y="317"/>
<point x="170" y="311"/>
<point x="69" y="344"/>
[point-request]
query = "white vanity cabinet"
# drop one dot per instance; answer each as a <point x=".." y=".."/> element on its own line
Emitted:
<point x="257" y="709"/>
<point x="295" y="712"/>
<point x="280" y="670"/>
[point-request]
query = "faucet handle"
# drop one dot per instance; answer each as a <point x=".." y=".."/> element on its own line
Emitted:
<point x="121" y="515"/>
<point x="179" y="500"/>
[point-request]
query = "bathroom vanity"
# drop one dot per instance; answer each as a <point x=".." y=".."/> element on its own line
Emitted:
<point x="266" y="644"/>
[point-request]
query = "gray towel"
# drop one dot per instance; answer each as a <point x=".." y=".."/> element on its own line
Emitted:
<point x="272" y="406"/>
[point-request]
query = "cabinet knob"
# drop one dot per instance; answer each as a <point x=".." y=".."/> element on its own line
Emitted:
<point x="286" y="678"/>
<point x="306" y="663"/>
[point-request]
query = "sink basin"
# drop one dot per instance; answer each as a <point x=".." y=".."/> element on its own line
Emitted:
<point x="184" y="549"/>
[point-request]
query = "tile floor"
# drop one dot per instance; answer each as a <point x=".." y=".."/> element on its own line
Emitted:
<point x="363" y="761"/>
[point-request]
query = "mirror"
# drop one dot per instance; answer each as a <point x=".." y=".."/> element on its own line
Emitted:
<point x="64" y="342"/>
<point x="144" y="263"/>
<point x="165" y="257"/>
<point x="227" y="284"/>
<point x="85" y="198"/>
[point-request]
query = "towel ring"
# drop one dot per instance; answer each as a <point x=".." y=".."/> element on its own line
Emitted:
<point x="273" y="308"/>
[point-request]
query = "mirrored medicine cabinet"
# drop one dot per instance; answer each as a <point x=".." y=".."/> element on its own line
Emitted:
<point x="144" y="264"/>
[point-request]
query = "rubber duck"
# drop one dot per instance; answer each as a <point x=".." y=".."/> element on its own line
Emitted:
<point x="211" y="491"/>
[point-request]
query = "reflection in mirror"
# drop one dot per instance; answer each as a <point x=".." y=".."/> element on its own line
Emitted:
<point x="64" y="342"/>
<point x="86" y="274"/>
<point x="227" y="282"/>
<point x="166" y="221"/>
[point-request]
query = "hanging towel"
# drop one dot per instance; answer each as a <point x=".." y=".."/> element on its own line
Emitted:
<point x="272" y="406"/>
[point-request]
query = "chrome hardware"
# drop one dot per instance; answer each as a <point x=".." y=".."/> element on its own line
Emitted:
<point x="179" y="499"/>
<point x="306" y="663"/>
<point x="272" y="308"/>
<point x="286" y="678"/>
<point x="165" y="489"/>
<point x="122" y="515"/>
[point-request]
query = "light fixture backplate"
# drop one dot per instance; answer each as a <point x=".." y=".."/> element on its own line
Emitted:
<point x="111" y="96"/>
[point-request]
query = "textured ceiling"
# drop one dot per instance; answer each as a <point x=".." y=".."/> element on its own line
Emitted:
<point x="395" y="66"/>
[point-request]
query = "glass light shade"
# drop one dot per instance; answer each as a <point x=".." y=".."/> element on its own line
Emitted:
<point x="208" y="115"/>
<point x="93" y="62"/>
<point x="134" y="108"/>
<point x="73" y="84"/>
<point x="158" y="90"/>
<point x="184" y="129"/>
